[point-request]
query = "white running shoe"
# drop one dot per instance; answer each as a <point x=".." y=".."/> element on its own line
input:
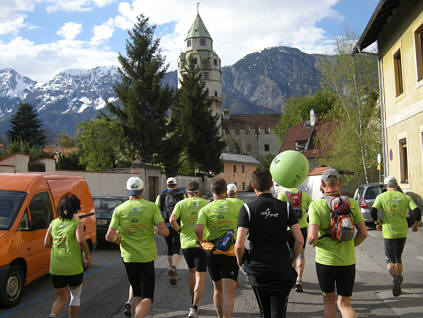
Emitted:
<point x="193" y="313"/>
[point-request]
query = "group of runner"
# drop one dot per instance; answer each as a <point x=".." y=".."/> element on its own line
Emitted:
<point x="213" y="237"/>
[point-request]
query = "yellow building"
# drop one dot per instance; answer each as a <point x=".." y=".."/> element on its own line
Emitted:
<point x="397" y="27"/>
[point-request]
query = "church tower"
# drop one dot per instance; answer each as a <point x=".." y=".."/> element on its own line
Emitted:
<point x="199" y="49"/>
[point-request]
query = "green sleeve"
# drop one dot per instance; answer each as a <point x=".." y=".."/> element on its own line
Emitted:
<point x="307" y="200"/>
<point x="377" y="205"/>
<point x="202" y="219"/>
<point x="355" y="209"/>
<point x="158" y="201"/>
<point x="283" y="197"/>
<point x="411" y="204"/>
<point x="157" y="215"/>
<point x="114" y="224"/>
<point x="313" y="214"/>
<point x="177" y="210"/>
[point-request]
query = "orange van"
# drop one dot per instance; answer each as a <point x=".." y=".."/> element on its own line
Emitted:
<point x="28" y="204"/>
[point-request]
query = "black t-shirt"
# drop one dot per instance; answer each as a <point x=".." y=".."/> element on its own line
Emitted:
<point x="267" y="219"/>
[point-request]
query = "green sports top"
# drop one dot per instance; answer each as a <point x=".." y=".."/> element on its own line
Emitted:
<point x="218" y="217"/>
<point x="65" y="255"/>
<point x="394" y="206"/>
<point x="187" y="211"/>
<point x="237" y="201"/>
<point x="135" y="219"/>
<point x="305" y="203"/>
<point x="329" y="251"/>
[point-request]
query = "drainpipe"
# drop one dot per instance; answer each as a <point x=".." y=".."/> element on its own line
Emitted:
<point x="382" y="111"/>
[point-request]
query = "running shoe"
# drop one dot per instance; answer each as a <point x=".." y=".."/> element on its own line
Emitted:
<point x="127" y="309"/>
<point x="396" y="290"/>
<point x="173" y="275"/>
<point x="193" y="313"/>
<point x="299" y="287"/>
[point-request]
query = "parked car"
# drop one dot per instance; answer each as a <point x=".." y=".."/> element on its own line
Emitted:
<point x="28" y="204"/>
<point x="365" y="196"/>
<point x="104" y="207"/>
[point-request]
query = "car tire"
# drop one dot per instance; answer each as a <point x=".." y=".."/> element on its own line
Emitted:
<point x="12" y="286"/>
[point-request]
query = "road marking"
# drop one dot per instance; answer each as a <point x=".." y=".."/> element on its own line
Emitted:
<point x="420" y="258"/>
<point x="53" y="292"/>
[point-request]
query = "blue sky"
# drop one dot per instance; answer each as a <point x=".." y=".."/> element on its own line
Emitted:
<point x="39" y="38"/>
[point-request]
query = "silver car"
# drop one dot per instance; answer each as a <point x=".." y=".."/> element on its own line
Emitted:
<point x="365" y="196"/>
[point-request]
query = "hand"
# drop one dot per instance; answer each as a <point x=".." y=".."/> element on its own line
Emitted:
<point x="379" y="227"/>
<point x="294" y="264"/>
<point x="118" y="239"/>
<point x="156" y="230"/>
<point x="242" y="269"/>
<point x="87" y="260"/>
<point x="313" y="242"/>
<point x="415" y="227"/>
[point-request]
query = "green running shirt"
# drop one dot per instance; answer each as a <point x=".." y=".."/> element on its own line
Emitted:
<point x="65" y="255"/>
<point x="305" y="202"/>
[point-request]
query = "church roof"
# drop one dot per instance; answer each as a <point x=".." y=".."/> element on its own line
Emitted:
<point x="198" y="29"/>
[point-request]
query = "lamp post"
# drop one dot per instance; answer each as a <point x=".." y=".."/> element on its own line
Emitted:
<point x="378" y="164"/>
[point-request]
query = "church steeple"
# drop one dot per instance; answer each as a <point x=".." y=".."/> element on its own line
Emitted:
<point x="198" y="29"/>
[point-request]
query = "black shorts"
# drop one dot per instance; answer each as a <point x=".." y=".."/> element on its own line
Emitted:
<point x="173" y="242"/>
<point x="342" y="276"/>
<point x="141" y="276"/>
<point x="222" y="266"/>
<point x="61" y="281"/>
<point x="291" y="239"/>
<point x="195" y="258"/>
<point x="393" y="250"/>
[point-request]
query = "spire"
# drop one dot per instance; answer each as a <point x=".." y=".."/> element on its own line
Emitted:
<point x="198" y="29"/>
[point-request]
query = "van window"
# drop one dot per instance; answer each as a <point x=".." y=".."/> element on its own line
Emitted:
<point x="372" y="193"/>
<point x="10" y="204"/>
<point x="24" y="224"/>
<point x="40" y="211"/>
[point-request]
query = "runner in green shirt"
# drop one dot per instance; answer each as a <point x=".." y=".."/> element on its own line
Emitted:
<point x="335" y="260"/>
<point x="232" y="195"/>
<point x="302" y="222"/>
<point x="132" y="227"/>
<point x="394" y="206"/>
<point x="186" y="211"/>
<point x="65" y="237"/>
<point x="220" y="218"/>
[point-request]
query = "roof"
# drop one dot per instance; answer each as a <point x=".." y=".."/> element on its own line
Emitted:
<point x="198" y="29"/>
<point x="384" y="10"/>
<point x="317" y="171"/>
<point x="247" y="121"/>
<point x="238" y="158"/>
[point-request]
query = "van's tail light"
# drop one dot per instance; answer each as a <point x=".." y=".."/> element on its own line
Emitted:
<point x="363" y="204"/>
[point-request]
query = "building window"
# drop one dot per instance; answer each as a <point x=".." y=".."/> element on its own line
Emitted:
<point x="399" y="85"/>
<point x="203" y="42"/>
<point x="215" y="93"/>
<point x="215" y="62"/>
<point x="266" y="147"/>
<point x="249" y="148"/>
<point x="266" y="131"/>
<point x="243" y="169"/>
<point x="403" y="160"/>
<point x="243" y="186"/>
<point x="206" y="75"/>
<point x="189" y="43"/>
<point x="300" y="145"/>
<point x="418" y="36"/>
<point x="234" y="168"/>
<point x="194" y="60"/>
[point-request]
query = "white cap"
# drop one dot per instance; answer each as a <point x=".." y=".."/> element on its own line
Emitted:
<point x="391" y="181"/>
<point x="171" y="181"/>
<point x="231" y="188"/>
<point x="134" y="185"/>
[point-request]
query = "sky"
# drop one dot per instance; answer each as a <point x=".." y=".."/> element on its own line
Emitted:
<point x="40" y="38"/>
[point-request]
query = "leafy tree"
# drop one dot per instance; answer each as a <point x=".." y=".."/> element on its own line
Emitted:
<point x="24" y="147"/>
<point x="357" y="135"/>
<point x="266" y="160"/>
<point x="143" y="102"/>
<point x="26" y="126"/>
<point x="195" y="124"/>
<point x="69" y="161"/>
<point x="99" y="143"/>
<point x="297" y="109"/>
<point x="66" y="141"/>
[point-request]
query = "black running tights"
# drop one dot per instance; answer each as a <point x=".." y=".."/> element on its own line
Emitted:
<point x="272" y="304"/>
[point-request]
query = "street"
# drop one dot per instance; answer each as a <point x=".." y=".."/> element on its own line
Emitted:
<point x="106" y="287"/>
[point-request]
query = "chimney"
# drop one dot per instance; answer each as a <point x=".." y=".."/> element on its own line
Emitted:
<point x="312" y="118"/>
<point x="226" y="114"/>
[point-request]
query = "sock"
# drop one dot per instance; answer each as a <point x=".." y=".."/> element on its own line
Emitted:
<point x="195" y="307"/>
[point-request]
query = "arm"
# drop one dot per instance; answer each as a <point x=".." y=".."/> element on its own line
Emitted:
<point x="313" y="234"/>
<point x="48" y="240"/>
<point x="113" y="236"/>
<point x="299" y="241"/>
<point x="240" y="245"/>
<point x="174" y="224"/>
<point x="80" y="237"/>
<point x="361" y="234"/>
<point x="373" y="212"/>
<point x="418" y="217"/>
<point x="199" y="228"/>
<point x="162" y="229"/>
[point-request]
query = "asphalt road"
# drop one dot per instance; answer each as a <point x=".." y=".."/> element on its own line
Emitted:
<point x="105" y="288"/>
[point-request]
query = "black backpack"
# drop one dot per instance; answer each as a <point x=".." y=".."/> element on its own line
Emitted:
<point x="168" y="201"/>
<point x="341" y="225"/>
<point x="295" y="201"/>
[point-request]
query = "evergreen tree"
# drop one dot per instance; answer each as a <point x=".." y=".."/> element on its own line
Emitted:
<point x="26" y="126"/>
<point x="195" y="123"/>
<point x="143" y="102"/>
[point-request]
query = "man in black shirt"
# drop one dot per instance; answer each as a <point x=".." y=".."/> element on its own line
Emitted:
<point x="270" y="268"/>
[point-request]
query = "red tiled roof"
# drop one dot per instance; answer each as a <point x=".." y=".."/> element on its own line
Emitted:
<point x="317" y="171"/>
<point x="62" y="150"/>
<point x="245" y="121"/>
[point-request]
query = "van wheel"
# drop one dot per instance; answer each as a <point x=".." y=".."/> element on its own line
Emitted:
<point x="12" y="286"/>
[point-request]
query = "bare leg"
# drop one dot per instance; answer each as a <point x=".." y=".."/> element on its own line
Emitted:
<point x="73" y="310"/>
<point x="228" y="287"/>
<point x="142" y="306"/>
<point x="169" y="260"/>
<point x="59" y="303"/>
<point x="200" y="279"/>
<point x="392" y="269"/>
<point x="174" y="260"/>
<point x="217" y="298"/>
<point x="344" y="305"/>
<point x="300" y="268"/>
<point x="191" y="282"/>
<point x="329" y="310"/>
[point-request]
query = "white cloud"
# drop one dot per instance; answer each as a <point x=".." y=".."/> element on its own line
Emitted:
<point x="103" y="32"/>
<point x="103" y="3"/>
<point x="70" y="30"/>
<point x="76" y="5"/>
<point x="13" y="14"/>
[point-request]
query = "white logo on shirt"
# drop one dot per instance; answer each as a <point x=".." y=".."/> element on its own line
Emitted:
<point x="268" y="214"/>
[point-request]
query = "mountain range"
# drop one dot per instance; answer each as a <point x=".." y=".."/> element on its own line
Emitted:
<point x="260" y="82"/>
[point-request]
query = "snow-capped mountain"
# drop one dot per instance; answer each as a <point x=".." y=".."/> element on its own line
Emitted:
<point x="13" y="84"/>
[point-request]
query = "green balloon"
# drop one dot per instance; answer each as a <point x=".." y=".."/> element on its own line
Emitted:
<point x="289" y="168"/>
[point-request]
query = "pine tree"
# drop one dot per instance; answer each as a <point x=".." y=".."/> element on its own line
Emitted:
<point x="142" y="113"/>
<point x="26" y="126"/>
<point x="196" y="124"/>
